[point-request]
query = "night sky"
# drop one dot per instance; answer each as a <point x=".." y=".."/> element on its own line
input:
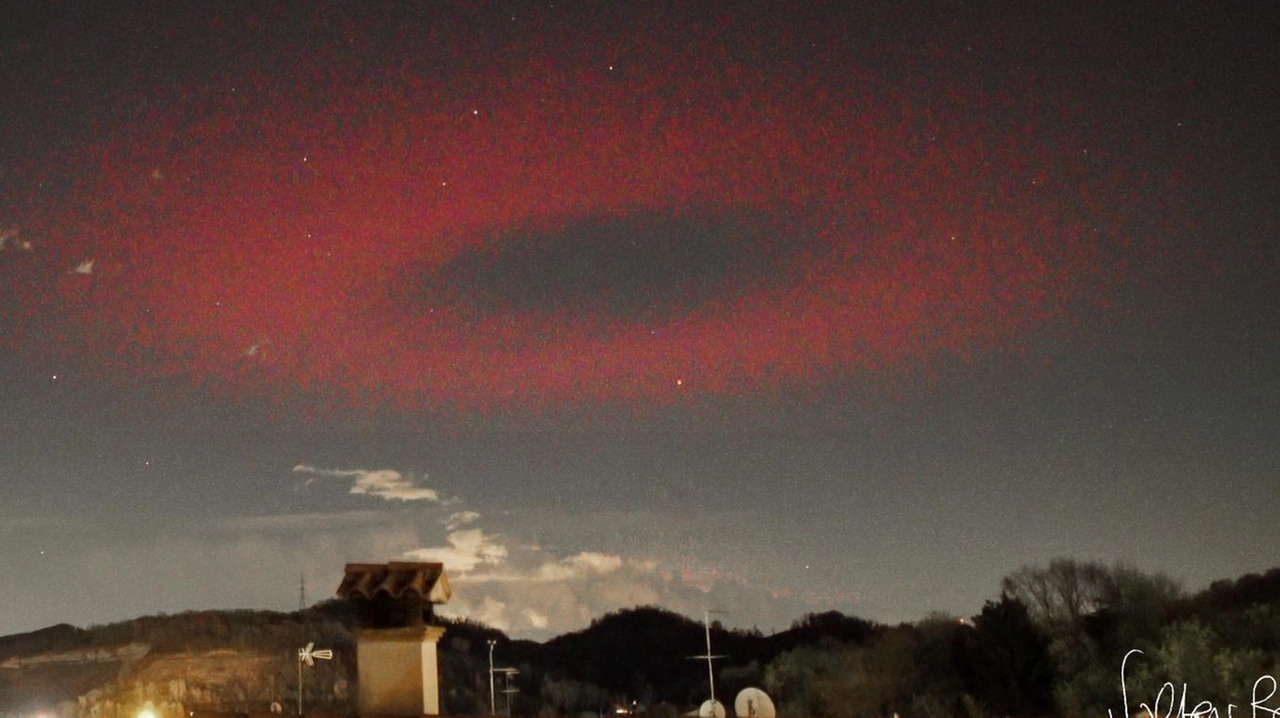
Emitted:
<point x="769" y="308"/>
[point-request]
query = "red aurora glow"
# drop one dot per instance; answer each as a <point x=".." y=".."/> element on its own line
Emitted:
<point x="255" y="237"/>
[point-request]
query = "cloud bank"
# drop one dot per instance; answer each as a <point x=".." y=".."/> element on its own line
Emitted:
<point x="538" y="592"/>
<point x="515" y="580"/>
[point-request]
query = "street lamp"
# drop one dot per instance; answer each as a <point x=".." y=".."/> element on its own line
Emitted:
<point x="493" y="710"/>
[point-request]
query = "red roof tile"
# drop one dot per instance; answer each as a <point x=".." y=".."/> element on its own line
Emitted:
<point x="396" y="579"/>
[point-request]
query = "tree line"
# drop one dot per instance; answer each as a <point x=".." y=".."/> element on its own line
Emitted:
<point x="1051" y="644"/>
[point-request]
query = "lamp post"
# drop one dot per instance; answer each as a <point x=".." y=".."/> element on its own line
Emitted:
<point x="493" y="710"/>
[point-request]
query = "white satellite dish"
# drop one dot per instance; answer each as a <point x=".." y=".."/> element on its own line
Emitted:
<point x="711" y="709"/>
<point x="753" y="703"/>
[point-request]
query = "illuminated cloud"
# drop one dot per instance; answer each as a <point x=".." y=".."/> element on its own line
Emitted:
<point x="467" y="549"/>
<point x="542" y="587"/>
<point x="382" y="483"/>
<point x="527" y="591"/>
<point x="535" y="619"/>
<point x="461" y="518"/>
<point x="492" y="612"/>
<point x="573" y="567"/>
<point x="564" y="594"/>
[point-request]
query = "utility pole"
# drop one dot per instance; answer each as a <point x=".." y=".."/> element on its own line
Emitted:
<point x="711" y="676"/>
<point x="302" y="591"/>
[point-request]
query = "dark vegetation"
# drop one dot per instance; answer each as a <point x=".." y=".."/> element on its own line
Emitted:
<point x="1051" y="644"/>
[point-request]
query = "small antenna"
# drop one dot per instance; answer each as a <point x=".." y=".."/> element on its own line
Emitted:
<point x="508" y="690"/>
<point x="308" y="656"/>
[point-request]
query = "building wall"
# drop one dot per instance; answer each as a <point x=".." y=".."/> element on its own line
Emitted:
<point x="398" y="672"/>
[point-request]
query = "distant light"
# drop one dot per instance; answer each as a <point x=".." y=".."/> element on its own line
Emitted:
<point x="146" y="713"/>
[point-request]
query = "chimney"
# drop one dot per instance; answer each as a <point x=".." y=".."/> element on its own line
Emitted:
<point x="396" y="643"/>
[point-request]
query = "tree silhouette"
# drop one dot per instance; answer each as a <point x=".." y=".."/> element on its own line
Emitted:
<point x="1009" y="661"/>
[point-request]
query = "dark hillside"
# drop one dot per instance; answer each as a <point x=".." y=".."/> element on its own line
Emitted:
<point x="58" y="637"/>
<point x="646" y="655"/>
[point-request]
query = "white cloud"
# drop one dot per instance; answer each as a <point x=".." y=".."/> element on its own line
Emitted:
<point x="309" y="469"/>
<point x="391" y="485"/>
<point x="545" y="588"/>
<point x="467" y="549"/>
<point x="382" y="483"/>
<point x="579" y="565"/>
<point x="521" y="589"/>
<point x="593" y="562"/>
<point x="493" y="612"/>
<point x="462" y="518"/>
<point x="560" y="595"/>
<point x="535" y="619"/>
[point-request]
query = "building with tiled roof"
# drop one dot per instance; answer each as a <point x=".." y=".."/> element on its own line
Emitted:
<point x="396" y="646"/>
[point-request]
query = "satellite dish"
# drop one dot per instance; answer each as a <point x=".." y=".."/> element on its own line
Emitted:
<point x="753" y="703"/>
<point x="711" y="709"/>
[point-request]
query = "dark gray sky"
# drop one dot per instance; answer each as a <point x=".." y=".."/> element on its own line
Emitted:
<point x="769" y="310"/>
